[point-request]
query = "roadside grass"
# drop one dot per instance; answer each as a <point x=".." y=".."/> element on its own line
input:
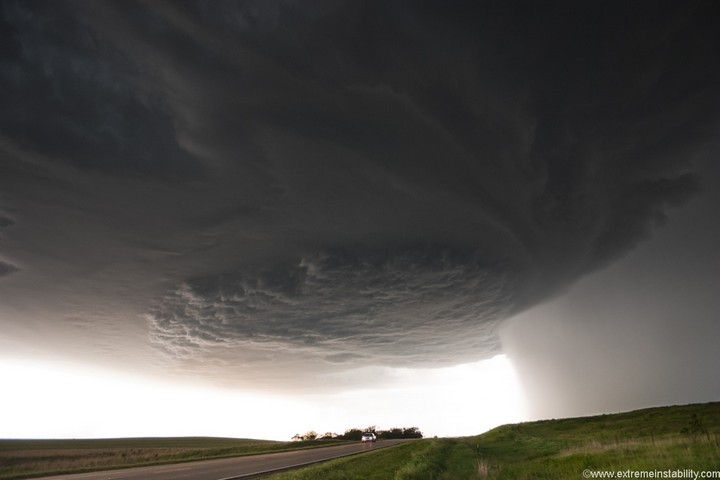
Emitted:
<point x="664" y="438"/>
<point x="434" y="459"/>
<point x="33" y="458"/>
<point x="444" y="459"/>
<point x="374" y="465"/>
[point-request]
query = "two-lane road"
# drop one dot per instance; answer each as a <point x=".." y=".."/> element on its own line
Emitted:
<point x="230" y="468"/>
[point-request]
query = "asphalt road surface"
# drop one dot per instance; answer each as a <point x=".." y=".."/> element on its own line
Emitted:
<point x="231" y="468"/>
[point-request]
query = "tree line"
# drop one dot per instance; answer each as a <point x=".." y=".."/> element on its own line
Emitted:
<point x="357" y="433"/>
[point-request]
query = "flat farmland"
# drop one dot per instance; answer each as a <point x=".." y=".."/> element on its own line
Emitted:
<point x="31" y="458"/>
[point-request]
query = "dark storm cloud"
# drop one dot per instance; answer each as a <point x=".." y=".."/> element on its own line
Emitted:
<point x="393" y="307"/>
<point x="75" y="98"/>
<point x="6" y="268"/>
<point x="640" y="333"/>
<point x="6" y="221"/>
<point x="354" y="179"/>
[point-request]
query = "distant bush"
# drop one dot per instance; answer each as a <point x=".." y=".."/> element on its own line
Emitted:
<point x="352" y="434"/>
<point x="393" y="433"/>
<point x="412" y="432"/>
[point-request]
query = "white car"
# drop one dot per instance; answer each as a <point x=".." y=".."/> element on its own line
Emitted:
<point x="368" y="437"/>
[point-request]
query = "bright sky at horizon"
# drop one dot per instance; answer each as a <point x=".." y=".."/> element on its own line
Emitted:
<point x="63" y="400"/>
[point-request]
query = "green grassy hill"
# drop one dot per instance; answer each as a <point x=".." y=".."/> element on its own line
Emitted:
<point x="663" y="438"/>
<point x="653" y="440"/>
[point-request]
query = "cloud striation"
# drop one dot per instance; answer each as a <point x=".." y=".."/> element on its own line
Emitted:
<point x="334" y="189"/>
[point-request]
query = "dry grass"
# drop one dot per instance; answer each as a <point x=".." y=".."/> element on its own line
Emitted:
<point x="595" y="447"/>
<point x="483" y="469"/>
<point x="27" y="458"/>
<point x="82" y="459"/>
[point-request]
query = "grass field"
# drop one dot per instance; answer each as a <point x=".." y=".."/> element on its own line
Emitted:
<point x="28" y="458"/>
<point x="435" y="459"/>
<point x="657" y="439"/>
<point x="662" y="439"/>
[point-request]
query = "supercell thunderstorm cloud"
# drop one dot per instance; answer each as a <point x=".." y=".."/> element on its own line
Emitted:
<point x="345" y="307"/>
<point x="267" y="191"/>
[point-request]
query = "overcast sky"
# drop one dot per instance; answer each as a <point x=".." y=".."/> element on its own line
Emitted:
<point x="306" y="199"/>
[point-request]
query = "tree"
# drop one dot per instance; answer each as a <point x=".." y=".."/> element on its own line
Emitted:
<point x="392" y="433"/>
<point x="412" y="432"/>
<point x="397" y="432"/>
<point x="311" y="435"/>
<point x="352" y="434"/>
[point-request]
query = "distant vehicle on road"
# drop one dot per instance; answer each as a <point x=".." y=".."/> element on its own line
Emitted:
<point x="368" y="437"/>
